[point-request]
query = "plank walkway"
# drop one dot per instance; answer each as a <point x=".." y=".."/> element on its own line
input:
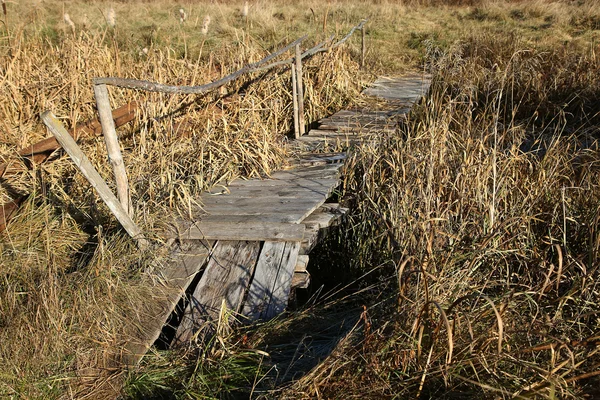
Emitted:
<point x="252" y="241"/>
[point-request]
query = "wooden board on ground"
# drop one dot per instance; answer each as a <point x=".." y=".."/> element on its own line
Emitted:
<point x="407" y="89"/>
<point x="186" y="260"/>
<point x="223" y="283"/>
<point x="305" y="183"/>
<point x="269" y="191"/>
<point x="257" y="230"/>
<point x="270" y="288"/>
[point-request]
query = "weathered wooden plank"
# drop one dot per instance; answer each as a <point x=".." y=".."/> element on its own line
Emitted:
<point x="301" y="263"/>
<point x="263" y="198"/>
<point x="258" y="231"/>
<point x="270" y="288"/>
<point x="93" y="177"/>
<point x="300" y="280"/>
<point x="302" y="182"/>
<point x="256" y="218"/>
<point x="326" y="216"/>
<point x="185" y="262"/>
<point x="318" y="159"/>
<point x="271" y="191"/>
<point x="224" y="281"/>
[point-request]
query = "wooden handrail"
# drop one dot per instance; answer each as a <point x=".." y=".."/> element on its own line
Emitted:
<point x="159" y="87"/>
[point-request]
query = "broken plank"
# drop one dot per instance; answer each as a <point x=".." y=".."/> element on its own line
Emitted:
<point x="224" y="282"/>
<point x="300" y="280"/>
<point x="184" y="263"/>
<point x="270" y="288"/>
<point x="301" y="263"/>
<point x="260" y="231"/>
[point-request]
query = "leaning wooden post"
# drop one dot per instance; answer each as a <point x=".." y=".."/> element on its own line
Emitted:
<point x="300" y="91"/>
<point x="88" y="170"/>
<point x="363" y="46"/>
<point x="112" y="144"/>
<point x="295" y="102"/>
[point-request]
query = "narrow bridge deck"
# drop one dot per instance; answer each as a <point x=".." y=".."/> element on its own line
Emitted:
<point x="252" y="239"/>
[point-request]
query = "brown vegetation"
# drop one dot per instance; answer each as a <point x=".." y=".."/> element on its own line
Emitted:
<point x="476" y="224"/>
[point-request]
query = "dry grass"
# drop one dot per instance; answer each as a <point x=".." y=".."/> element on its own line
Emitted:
<point x="489" y="251"/>
<point x="482" y="213"/>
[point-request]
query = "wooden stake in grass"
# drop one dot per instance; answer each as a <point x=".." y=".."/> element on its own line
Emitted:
<point x="300" y="91"/>
<point x="363" y="47"/>
<point x="295" y="102"/>
<point x="112" y="144"/>
<point x="90" y="173"/>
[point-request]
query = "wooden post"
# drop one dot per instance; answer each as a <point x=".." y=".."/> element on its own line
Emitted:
<point x="295" y="102"/>
<point x="300" y="91"/>
<point x="112" y="144"/>
<point x="363" y="47"/>
<point x="88" y="170"/>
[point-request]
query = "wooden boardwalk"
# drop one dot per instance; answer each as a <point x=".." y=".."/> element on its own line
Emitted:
<point x="252" y="241"/>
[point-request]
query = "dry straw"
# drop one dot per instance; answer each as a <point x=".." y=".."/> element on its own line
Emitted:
<point x="205" y="25"/>
<point x="111" y="18"/>
<point x="69" y="22"/>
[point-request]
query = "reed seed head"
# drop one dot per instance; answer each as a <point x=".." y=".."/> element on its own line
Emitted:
<point x="245" y="10"/>
<point x="69" y="22"/>
<point x="111" y="18"/>
<point x="205" y="25"/>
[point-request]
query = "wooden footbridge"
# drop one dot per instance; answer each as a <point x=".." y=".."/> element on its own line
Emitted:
<point x="253" y="238"/>
<point x="251" y="242"/>
<point x="249" y="246"/>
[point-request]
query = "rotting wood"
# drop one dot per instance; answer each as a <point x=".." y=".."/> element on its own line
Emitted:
<point x="39" y="152"/>
<point x="298" y="182"/>
<point x="300" y="280"/>
<point x="90" y="173"/>
<point x="249" y="219"/>
<point x="187" y="260"/>
<point x="270" y="288"/>
<point x="261" y="231"/>
<point x="112" y="145"/>
<point x="326" y="216"/>
<point x="225" y="280"/>
<point x="317" y="159"/>
<point x="8" y="210"/>
<point x="301" y="263"/>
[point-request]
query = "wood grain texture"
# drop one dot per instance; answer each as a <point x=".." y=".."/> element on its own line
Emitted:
<point x="184" y="263"/>
<point x="112" y="145"/>
<point x="255" y="230"/>
<point x="270" y="288"/>
<point x="93" y="177"/>
<point x="223" y="283"/>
